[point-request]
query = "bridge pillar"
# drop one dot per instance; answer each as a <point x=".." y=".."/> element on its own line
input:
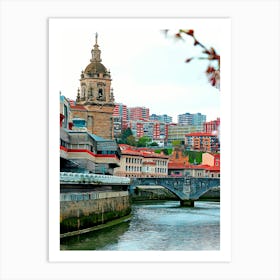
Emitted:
<point x="187" y="203"/>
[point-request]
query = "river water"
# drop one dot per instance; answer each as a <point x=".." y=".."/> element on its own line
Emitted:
<point x="159" y="226"/>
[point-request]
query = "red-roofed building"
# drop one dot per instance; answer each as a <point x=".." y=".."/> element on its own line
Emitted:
<point x="177" y="169"/>
<point x="141" y="162"/>
<point x="178" y="166"/>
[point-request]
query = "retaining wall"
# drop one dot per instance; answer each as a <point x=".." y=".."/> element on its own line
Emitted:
<point x="84" y="210"/>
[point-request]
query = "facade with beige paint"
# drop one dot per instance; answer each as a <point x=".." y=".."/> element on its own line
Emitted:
<point x="141" y="162"/>
<point x="211" y="159"/>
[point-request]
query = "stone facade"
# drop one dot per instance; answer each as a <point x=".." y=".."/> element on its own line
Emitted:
<point x="83" y="214"/>
<point x="95" y="100"/>
<point x="99" y="119"/>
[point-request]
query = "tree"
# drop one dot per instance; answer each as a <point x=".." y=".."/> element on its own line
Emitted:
<point x="130" y="140"/>
<point x="124" y="135"/>
<point x="143" y="141"/>
<point x="155" y="144"/>
<point x="210" y="54"/>
<point x="176" y="143"/>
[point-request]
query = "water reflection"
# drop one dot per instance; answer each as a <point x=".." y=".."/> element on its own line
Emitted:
<point x="95" y="240"/>
<point x="157" y="226"/>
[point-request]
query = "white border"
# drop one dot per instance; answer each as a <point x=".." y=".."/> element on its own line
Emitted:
<point x="255" y="92"/>
<point x="167" y="256"/>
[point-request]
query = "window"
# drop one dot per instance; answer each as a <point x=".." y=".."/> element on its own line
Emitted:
<point x="63" y="143"/>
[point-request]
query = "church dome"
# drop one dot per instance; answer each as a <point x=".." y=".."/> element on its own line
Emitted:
<point x="95" y="67"/>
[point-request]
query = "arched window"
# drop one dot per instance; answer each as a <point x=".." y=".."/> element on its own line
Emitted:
<point x="100" y="95"/>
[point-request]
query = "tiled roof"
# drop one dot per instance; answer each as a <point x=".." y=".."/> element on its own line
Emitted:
<point x="131" y="152"/>
<point x="144" y="152"/>
<point x="213" y="168"/>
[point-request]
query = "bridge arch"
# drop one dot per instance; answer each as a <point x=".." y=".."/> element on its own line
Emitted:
<point x="186" y="189"/>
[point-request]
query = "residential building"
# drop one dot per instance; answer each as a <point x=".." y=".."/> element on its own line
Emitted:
<point x="211" y="159"/>
<point x="212" y="126"/>
<point x="117" y="126"/>
<point x="198" y="119"/>
<point x="138" y="113"/>
<point x="191" y="119"/>
<point x="141" y="162"/>
<point x="178" y="132"/>
<point x="82" y="151"/>
<point x="202" y="141"/>
<point x="120" y="117"/>
<point x="161" y="118"/>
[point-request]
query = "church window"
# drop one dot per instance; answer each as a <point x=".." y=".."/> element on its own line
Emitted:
<point x="90" y="92"/>
<point x="100" y="93"/>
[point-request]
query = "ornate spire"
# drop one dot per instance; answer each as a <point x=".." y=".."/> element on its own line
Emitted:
<point x="95" y="52"/>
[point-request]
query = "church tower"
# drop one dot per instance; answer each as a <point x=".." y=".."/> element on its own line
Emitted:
<point x="95" y="100"/>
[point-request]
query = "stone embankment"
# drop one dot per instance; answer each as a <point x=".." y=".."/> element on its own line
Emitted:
<point x="80" y="212"/>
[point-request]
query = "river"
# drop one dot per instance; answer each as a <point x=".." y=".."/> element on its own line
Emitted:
<point x="159" y="226"/>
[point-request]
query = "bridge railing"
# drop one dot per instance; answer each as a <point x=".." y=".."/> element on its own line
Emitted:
<point x="69" y="177"/>
<point x="91" y="195"/>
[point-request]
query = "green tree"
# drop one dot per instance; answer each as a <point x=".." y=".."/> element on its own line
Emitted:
<point x="176" y="143"/>
<point x="195" y="157"/>
<point x="130" y="140"/>
<point x="124" y="135"/>
<point x="155" y="144"/>
<point x="165" y="151"/>
<point x="143" y="141"/>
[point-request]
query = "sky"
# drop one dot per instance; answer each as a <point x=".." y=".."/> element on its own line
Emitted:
<point x="147" y="68"/>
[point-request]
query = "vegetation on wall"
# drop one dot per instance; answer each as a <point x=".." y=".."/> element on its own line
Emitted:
<point x="166" y="151"/>
<point x="195" y="157"/>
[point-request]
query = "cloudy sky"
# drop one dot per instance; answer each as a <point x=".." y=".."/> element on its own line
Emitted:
<point x="147" y="68"/>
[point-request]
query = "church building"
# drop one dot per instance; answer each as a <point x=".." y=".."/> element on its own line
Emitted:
<point x="95" y="100"/>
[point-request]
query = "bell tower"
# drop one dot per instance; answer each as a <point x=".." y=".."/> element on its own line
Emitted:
<point x="96" y="96"/>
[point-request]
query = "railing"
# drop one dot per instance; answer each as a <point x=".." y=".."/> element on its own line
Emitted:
<point x="91" y="195"/>
<point x="69" y="177"/>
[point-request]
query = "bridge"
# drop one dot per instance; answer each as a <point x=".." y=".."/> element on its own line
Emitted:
<point x="187" y="189"/>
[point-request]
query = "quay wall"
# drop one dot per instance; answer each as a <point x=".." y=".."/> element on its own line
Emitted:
<point x="80" y="211"/>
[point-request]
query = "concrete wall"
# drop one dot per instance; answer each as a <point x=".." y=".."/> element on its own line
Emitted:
<point x="87" y="210"/>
